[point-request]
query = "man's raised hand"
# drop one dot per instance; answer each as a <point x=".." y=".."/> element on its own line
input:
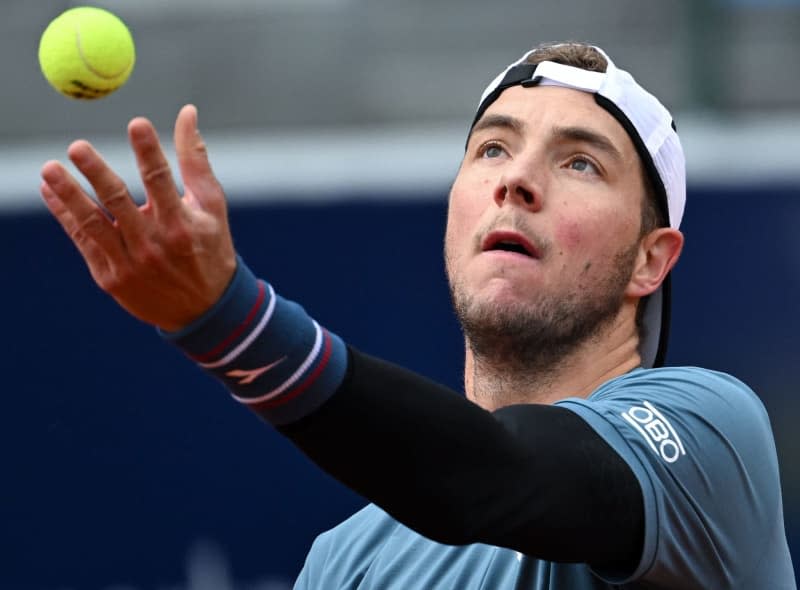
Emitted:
<point x="166" y="262"/>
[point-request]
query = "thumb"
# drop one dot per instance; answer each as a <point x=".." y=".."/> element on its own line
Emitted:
<point x="196" y="172"/>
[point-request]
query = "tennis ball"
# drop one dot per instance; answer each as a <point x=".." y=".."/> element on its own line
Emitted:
<point x="86" y="53"/>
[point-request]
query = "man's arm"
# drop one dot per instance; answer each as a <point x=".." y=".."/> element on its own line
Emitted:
<point x="533" y="478"/>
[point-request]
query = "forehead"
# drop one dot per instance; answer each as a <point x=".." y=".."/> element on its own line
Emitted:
<point x="540" y="108"/>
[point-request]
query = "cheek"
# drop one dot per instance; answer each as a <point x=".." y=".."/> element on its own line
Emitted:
<point x="455" y="229"/>
<point x="463" y="215"/>
<point x="581" y="243"/>
<point x="448" y="241"/>
<point x="569" y="235"/>
<point x="588" y="248"/>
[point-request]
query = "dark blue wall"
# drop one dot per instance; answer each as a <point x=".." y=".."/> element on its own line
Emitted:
<point x="117" y="455"/>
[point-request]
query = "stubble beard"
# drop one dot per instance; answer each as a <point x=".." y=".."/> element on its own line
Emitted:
<point x="527" y="340"/>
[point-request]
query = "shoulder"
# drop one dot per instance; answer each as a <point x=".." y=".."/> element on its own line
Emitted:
<point x="675" y="411"/>
<point x="693" y="395"/>
<point x="363" y="527"/>
<point x="689" y="384"/>
<point x="347" y="550"/>
<point x="692" y="436"/>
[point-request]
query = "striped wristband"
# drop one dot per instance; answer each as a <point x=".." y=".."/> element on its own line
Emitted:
<point x="267" y="351"/>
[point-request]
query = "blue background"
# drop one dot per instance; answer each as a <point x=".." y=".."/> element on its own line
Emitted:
<point x="117" y="454"/>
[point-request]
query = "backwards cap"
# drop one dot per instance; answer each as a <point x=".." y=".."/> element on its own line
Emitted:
<point x="650" y="127"/>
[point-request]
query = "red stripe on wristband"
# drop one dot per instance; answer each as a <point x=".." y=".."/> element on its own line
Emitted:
<point x="237" y="332"/>
<point x="307" y="382"/>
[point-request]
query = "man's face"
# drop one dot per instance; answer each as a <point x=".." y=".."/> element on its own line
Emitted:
<point x="543" y="223"/>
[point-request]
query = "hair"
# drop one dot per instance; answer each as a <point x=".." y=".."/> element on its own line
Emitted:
<point x="586" y="57"/>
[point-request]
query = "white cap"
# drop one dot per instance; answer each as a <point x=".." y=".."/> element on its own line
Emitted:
<point x="650" y="127"/>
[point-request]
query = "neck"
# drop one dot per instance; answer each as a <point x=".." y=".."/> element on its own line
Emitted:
<point x="493" y="383"/>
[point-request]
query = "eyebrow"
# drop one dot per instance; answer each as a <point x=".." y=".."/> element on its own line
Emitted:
<point x="499" y="121"/>
<point x="582" y="134"/>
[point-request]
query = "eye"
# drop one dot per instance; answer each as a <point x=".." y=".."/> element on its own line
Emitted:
<point x="491" y="149"/>
<point x="583" y="164"/>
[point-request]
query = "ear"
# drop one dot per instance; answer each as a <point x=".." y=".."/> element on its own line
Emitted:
<point x="658" y="253"/>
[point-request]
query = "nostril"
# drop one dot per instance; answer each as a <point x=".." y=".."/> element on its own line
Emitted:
<point x="526" y="195"/>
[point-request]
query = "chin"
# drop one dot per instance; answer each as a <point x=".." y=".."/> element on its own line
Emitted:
<point x="496" y="302"/>
<point x="505" y="292"/>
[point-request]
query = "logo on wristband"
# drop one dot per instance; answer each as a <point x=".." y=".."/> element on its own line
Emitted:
<point x="247" y="376"/>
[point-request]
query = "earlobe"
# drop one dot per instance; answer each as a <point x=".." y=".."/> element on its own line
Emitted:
<point x="659" y="251"/>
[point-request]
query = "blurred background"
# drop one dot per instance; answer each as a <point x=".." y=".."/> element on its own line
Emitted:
<point x="336" y="127"/>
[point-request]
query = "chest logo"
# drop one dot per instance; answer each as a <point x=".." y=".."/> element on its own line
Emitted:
<point x="656" y="431"/>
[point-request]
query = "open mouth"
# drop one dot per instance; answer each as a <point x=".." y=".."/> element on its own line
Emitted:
<point x="511" y="247"/>
<point x="505" y="241"/>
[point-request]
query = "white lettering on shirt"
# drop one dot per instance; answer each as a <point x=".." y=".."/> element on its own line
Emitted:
<point x="656" y="431"/>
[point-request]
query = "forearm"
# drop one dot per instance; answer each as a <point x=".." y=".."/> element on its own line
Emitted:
<point x="533" y="478"/>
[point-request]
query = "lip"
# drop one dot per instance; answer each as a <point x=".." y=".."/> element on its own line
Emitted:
<point x="493" y="238"/>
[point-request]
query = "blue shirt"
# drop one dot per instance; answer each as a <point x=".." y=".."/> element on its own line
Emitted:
<point x="701" y="446"/>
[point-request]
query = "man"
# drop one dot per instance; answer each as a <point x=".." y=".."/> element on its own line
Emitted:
<point x="575" y="464"/>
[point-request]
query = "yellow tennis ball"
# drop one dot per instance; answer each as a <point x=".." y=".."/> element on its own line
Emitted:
<point x="86" y="53"/>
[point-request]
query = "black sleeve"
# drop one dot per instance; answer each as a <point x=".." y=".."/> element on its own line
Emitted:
<point x="533" y="478"/>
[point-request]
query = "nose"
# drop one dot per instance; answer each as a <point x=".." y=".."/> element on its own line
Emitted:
<point x="516" y="188"/>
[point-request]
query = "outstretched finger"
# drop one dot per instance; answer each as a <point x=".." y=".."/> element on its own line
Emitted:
<point x="79" y="215"/>
<point x="196" y="172"/>
<point x="111" y="191"/>
<point x="154" y="169"/>
<point x="92" y="253"/>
